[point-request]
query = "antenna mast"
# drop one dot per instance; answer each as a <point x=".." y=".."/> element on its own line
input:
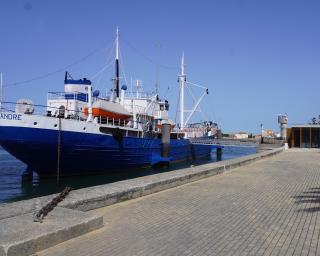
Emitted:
<point x="182" y="80"/>
<point x="117" y="64"/>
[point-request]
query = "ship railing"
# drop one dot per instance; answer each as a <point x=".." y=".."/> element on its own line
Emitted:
<point x="27" y="107"/>
<point x="117" y="122"/>
<point x="55" y="95"/>
<point x="37" y="109"/>
<point x="67" y="95"/>
<point x="133" y="95"/>
<point x="23" y="107"/>
<point x="112" y="121"/>
<point x="139" y="95"/>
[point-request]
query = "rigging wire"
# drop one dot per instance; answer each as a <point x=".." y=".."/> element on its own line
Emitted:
<point x="101" y="70"/>
<point x="98" y="75"/>
<point x="157" y="84"/>
<point x="195" y="100"/>
<point x="197" y="85"/>
<point x="146" y="57"/>
<point x="204" y="115"/>
<point x="177" y="109"/>
<point x="108" y="63"/>
<point x="58" y="70"/>
<point x="122" y="69"/>
<point x="165" y="94"/>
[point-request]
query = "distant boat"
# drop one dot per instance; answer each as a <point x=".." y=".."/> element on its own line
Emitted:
<point x="83" y="133"/>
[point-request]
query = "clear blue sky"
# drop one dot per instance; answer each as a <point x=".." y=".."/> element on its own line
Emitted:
<point x="258" y="58"/>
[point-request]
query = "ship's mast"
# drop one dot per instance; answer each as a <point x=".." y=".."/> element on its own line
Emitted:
<point x="117" y="65"/>
<point x="182" y="81"/>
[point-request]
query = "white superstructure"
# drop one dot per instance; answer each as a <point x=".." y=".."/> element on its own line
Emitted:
<point x="72" y="102"/>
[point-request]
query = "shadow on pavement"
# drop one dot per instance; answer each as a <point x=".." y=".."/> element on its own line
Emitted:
<point x="311" y="197"/>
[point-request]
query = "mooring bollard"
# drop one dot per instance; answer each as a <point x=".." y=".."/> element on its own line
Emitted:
<point x="219" y="153"/>
<point x="165" y="139"/>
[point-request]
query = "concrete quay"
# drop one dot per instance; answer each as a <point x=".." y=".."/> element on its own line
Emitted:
<point x="270" y="207"/>
<point x="19" y="235"/>
<point x="30" y="238"/>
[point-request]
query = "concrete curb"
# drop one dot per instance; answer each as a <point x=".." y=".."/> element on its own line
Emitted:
<point x="21" y="236"/>
<point x="103" y="195"/>
<point x="96" y="197"/>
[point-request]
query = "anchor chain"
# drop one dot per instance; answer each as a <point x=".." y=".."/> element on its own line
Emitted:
<point x="43" y="212"/>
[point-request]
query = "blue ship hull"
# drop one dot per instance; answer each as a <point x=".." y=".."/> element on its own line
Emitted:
<point x="86" y="153"/>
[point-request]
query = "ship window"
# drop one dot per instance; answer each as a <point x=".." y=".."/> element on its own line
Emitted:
<point x="35" y="123"/>
<point x="84" y="128"/>
<point x="55" y="125"/>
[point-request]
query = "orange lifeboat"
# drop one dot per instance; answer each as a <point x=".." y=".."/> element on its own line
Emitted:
<point x="108" y="109"/>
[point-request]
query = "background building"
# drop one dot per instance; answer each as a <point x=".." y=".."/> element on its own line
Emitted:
<point x="241" y="135"/>
<point x="304" y="136"/>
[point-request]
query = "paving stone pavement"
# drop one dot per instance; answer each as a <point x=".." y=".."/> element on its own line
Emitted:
<point x="271" y="207"/>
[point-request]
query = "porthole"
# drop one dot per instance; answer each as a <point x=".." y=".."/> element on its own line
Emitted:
<point x="55" y="125"/>
<point x="35" y="123"/>
<point x="84" y="128"/>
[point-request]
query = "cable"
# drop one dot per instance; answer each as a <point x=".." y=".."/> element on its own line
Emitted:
<point x="168" y="89"/>
<point x="175" y="118"/>
<point x="123" y="70"/>
<point x="108" y="63"/>
<point x="101" y="70"/>
<point x="97" y="77"/>
<point x="195" y="100"/>
<point x="146" y="57"/>
<point x="56" y="71"/>
<point x="197" y="85"/>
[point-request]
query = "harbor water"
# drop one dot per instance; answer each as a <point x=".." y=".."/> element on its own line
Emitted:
<point x="13" y="187"/>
